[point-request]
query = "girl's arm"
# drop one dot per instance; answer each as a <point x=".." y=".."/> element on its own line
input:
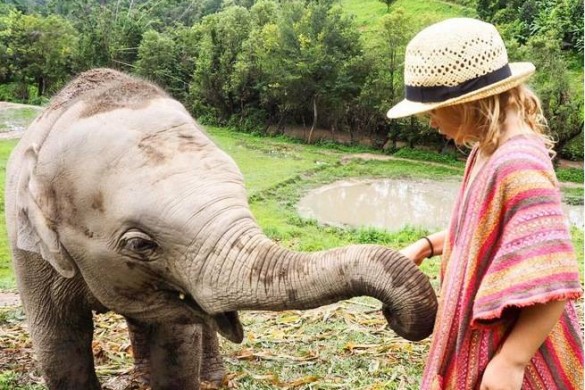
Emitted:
<point x="506" y="369"/>
<point x="421" y="249"/>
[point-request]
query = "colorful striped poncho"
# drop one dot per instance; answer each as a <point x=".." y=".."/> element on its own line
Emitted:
<point x="508" y="247"/>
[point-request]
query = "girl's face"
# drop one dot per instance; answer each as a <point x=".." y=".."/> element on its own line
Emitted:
<point x="447" y="120"/>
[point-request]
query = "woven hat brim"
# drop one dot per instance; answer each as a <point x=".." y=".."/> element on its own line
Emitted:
<point x="520" y="72"/>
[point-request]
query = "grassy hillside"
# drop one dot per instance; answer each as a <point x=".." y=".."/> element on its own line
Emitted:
<point x="367" y="13"/>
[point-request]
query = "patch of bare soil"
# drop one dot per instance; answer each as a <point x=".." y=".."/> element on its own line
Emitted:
<point x="9" y="299"/>
<point x="6" y="105"/>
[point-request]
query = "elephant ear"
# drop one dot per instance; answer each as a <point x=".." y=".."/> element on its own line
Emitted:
<point x="34" y="231"/>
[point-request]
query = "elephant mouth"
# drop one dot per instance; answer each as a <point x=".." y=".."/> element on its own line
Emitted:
<point x="227" y="323"/>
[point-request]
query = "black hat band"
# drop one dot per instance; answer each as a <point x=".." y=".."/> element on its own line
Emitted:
<point x="442" y="93"/>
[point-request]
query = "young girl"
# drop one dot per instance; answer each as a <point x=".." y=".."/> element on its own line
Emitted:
<point x="508" y="271"/>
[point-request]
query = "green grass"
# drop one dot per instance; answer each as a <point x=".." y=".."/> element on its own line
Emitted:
<point x="6" y="276"/>
<point x="367" y="13"/>
<point x="259" y="157"/>
<point x="10" y="380"/>
<point x="573" y="175"/>
<point x="573" y="196"/>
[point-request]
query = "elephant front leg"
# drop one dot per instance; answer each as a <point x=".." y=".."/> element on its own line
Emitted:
<point x="175" y="356"/>
<point x="63" y="348"/>
<point x="140" y="334"/>
<point x="212" y="368"/>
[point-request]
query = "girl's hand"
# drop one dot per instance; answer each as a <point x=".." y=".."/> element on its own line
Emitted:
<point x="506" y="369"/>
<point x="502" y="375"/>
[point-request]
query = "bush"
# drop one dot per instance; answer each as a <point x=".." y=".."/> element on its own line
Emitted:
<point x="573" y="175"/>
<point x="573" y="150"/>
<point x="253" y="121"/>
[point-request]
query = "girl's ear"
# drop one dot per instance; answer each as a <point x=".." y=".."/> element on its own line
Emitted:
<point x="35" y="232"/>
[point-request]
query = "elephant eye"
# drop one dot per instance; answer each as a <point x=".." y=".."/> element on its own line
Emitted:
<point x="138" y="244"/>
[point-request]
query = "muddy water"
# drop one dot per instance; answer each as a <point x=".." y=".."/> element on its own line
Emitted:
<point x="390" y="204"/>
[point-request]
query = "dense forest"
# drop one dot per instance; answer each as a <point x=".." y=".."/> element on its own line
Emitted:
<point x="258" y="65"/>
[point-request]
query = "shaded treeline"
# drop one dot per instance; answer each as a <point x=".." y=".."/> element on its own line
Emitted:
<point x="259" y="64"/>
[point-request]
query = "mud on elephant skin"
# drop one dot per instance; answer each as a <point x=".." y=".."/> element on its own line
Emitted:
<point x="117" y="200"/>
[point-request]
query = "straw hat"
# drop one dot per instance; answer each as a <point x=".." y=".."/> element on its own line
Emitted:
<point x="456" y="61"/>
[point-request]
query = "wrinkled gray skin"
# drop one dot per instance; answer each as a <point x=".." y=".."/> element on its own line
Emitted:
<point x="116" y="200"/>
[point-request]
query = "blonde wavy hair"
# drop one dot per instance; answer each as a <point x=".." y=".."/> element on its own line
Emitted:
<point x="481" y="121"/>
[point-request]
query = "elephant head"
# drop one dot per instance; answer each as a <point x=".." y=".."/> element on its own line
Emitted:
<point x="118" y="185"/>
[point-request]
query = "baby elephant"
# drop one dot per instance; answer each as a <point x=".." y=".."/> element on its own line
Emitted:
<point x="117" y="200"/>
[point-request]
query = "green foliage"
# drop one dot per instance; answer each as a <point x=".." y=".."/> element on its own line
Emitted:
<point x="573" y="149"/>
<point x="562" y="19"/>
<point x="367" y="13"/>
<point x="255" y="65"/>
<point x="383" y="84"/>
<point x="213" y="83"/>
<point x="388" y="4"/>
<point x="577" y="238"/>
<point x="562" y="102"/>
<point x="10" y="380"/>
<point x="110" y="33"/>
<point x="35" y="50"/>
<point x="573" y="175"/>
<point x="156" y="61"/>
<point x="309" y="64"/>
<point x="10" y="316"/>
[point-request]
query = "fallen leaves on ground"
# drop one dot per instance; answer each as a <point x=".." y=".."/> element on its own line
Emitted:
<point x="346" y="345"/>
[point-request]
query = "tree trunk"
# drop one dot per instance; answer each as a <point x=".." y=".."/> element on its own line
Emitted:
<point x="314" y="119"/>
<point x="41" y="86"/>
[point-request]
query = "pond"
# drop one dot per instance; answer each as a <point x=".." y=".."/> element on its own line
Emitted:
<point x="391" y="204"/>
<point x="15" y="117"/>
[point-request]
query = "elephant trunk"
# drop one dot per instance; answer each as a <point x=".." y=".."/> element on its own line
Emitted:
<point x="257" y="274"/>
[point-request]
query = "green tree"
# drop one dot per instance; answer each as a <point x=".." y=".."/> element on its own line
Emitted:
<point x="308" y="60"/>
<point x="384" y="83"/>
<point x="110" y="31"/>
<point x="570" y="25"/>
<point x="247" y="80"/>
<point x="157" y="59"/>
<point x="221" y="39"/>
<point x="562" y="20"/>
<point x="36" y="50"/>
<point x="186" y="54"/>
<point x="561" y="102"/>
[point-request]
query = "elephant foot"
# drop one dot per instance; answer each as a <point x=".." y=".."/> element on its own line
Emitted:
<point x="132" y="380"/>
<point x="210" y="386"/>
<point x="212" y="373"/>
<point x="212" y="370"/>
